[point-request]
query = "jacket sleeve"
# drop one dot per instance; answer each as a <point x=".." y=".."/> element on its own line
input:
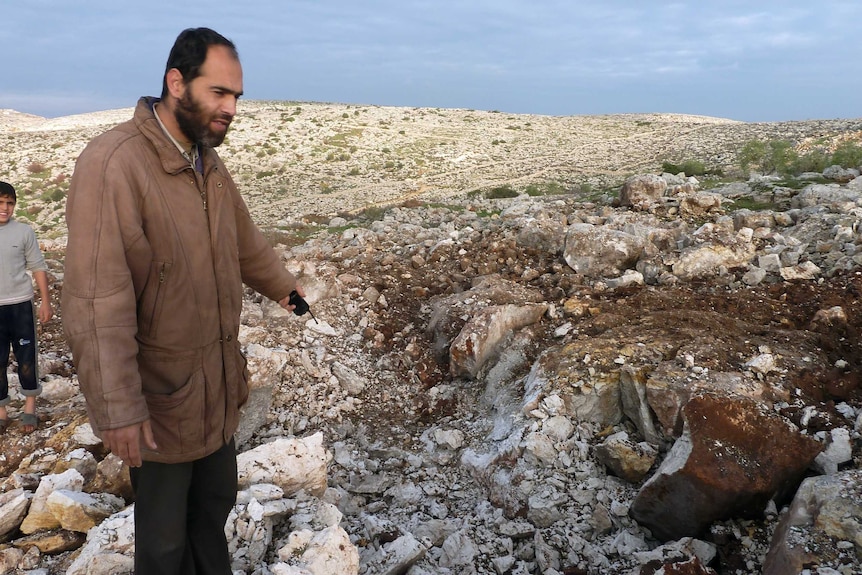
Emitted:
<point x="98" y="298"/>
<point x="261" y="267"/>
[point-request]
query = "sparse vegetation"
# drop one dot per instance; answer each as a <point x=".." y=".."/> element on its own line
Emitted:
<point x="781" y="157"/>
<point x="847" y="155"/>
<point x="290" y="236"/>
<point x="545" y="189"/>
<point x="450" y="207"/>
<point x="386" y="155"/>
<point x="373" y="213"/>
<point x="747" y="203"/>
<point x="689" y="167"/>
<point x="498" y="192"/>
<point x="37" y="168"/>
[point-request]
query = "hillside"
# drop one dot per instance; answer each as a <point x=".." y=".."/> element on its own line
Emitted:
<point x="293" y="159"/>
<point x="587" y="379"/>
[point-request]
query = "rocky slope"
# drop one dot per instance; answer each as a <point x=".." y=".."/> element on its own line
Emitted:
<point x="500" y="385"/>
<point x="296" y="159"/>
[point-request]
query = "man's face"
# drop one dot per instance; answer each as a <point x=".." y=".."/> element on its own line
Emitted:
<point x="208" y="104"/>
<point x="7" y="209"/>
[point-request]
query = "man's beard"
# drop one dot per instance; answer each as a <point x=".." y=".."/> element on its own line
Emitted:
<point x="194" y="125"/>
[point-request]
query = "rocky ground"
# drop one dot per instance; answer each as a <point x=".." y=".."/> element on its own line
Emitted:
<point x="409" y="435"/>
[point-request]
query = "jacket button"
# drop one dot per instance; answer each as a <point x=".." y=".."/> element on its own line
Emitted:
<point x="229" y="337"/>
<point x="219" y="184"/>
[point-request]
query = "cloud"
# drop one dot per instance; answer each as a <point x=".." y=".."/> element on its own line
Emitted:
<point x="480" y="53"/>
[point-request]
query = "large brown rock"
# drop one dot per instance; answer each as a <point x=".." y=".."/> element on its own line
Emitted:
<point x="670" y="387"/>
<point x="734" y="455"/>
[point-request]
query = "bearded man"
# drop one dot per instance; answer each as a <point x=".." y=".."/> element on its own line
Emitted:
<point x="160" y="244"/>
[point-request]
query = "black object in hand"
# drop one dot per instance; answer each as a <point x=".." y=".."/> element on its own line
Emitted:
<point x="300" y="306"/>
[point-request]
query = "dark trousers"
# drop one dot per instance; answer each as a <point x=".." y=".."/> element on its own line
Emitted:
<point x="18" y="330"/>
<point x="180" y="514"/>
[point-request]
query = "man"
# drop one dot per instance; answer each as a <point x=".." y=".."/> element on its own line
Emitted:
<point x="19" y="253"/>
<point x="160" y="242"/>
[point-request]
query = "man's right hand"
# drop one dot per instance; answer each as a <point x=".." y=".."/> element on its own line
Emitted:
<point x="125" y="442"/>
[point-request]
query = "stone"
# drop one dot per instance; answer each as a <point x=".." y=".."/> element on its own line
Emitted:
<point x="112" y="476"/>
<point x="290" y="463"/>
<point x="78" y="511"/>
<point x="13" y="508"/>
<point x="327" y="551"/>
<point x="39" y="517"/>
<point x="109" y="548"/>
<point x="642" y="191"/>
<point x="826" y="511"/>
<point x="733" y="457"/>
<point x="595" y="251"/>
<point x="10" y="558"/>
<point x="624" y="458"/>
<point x="79" y="459"/>
<point x="706" y="260"/>
<point x="478" y="340"/>
<point x="51" y="542"/>
<point x="633" y="393"/>
<point x="698" y="204"/>
<point x="396" y="557"/>
<point x="838" y="451"/>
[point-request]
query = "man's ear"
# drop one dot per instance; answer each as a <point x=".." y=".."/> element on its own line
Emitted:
<point x="175" y="82"/>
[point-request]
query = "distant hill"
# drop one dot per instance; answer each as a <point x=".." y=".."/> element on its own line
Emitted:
<point x="301" y="158"/>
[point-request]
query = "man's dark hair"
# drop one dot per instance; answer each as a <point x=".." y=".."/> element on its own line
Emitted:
<point x="190" y="51"/>
<point x="8" y="190"/>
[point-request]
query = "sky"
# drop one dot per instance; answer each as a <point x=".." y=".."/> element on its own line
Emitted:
<point x="748" y="60"/>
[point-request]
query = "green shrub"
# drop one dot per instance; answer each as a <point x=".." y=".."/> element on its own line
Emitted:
<point x="775" y="156"/>
<point x="782" y="157"/>
<point x="814" y="161"/>
<point x="499" y="192"/>
<point x="374" y="213"/>
<point x="752" y="155"/>
<point x="688" y="167"/>
<point x="779" y="156"/>
<point x="693" y="168"/>
<point x="670" y="168"/>
<point x="847" y="155"/>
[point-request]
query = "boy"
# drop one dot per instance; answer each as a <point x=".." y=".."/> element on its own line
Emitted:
<point x="19" y="252"/>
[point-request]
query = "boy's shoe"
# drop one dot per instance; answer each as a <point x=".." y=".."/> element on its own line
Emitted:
<point x="29" y="422"/>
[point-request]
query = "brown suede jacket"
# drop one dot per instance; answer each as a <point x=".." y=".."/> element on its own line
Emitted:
<point x="152" y="292"/>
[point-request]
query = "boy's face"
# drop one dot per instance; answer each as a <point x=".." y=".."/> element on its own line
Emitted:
<point x="7" y="208"/>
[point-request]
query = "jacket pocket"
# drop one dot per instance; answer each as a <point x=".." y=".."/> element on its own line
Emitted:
<point x="152" y="299"/>
<point x="178" y="418"/>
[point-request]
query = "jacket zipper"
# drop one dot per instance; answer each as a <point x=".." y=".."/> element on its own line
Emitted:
<point x="157" y="300"/>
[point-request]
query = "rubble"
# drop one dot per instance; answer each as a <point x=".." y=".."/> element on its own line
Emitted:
<point x="481" y="393"/>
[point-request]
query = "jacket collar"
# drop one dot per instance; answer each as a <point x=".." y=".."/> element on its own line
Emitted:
<point x="173" y="161"/>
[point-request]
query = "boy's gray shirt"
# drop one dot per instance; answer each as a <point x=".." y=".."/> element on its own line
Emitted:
<point x="19" y="253"/>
